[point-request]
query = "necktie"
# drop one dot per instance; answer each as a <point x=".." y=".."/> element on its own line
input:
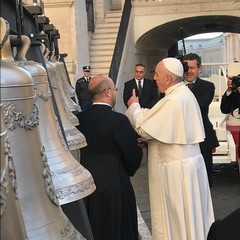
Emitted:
<point x="190" y="85"/>
<point x="140" y="88"/>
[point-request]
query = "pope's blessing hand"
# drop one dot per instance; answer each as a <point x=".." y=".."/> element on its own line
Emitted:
<point x="133" y="98"/>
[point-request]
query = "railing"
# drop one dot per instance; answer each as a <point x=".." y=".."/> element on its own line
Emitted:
<point x="216" y="73"/>
<point x="122" y="32"/>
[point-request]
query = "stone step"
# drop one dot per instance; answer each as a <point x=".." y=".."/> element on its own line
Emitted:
<point x="100" y="58"/>
<point x="107" y="25"/>
<point x="100" y="52"/>
<point x="100" y="64"/>
<point x="104" y="41"/>
<point x="104" y="35"/>
<point x="111" y="20"/>
<point x="102" y="47"/>
<point x="115" y="14"/>
<point x="104" y="71"/>
<point x="106" y="30"/>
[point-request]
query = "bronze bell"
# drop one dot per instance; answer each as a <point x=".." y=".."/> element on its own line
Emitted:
<point x="67" y="101"/>
<point x="54" y="83"/>
<point x="70" y="130"/>
<point x="70" y="91"/>
<point x="69" y="106"/>
<point x="43" y="218"/>
<point x="71" y="180"/>
<point x="75" y="139"/>
<point x="12" y="225"/>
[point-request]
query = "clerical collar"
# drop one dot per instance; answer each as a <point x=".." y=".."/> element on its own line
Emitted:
<point x="101" y="103"/>
<point x="186" y="82"/>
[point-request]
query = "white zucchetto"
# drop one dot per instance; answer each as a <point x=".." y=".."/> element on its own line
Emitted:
<point x="174" y="66"/>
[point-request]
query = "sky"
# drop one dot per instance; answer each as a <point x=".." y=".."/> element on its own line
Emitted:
<point x="205" y="35"/>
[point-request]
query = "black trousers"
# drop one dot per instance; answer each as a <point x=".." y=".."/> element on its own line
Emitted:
<point x="208" y="159"/>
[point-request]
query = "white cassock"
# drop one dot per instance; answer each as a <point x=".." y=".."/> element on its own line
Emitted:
<point x="180" y="200"/>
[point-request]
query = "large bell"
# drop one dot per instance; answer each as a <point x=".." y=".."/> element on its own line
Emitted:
<point x="71" y="180"/>
<point x="43" y="218"/>
<point x="66" y="87"/>
<point x="70" y="91"/>
<point x="72" y="133"/>
<point x="12" y="225"/>
<point x="75" y="139"/>
<point x="66" y="113"/>
<point x="67" y="101"/>
<point x="69" y="120"/>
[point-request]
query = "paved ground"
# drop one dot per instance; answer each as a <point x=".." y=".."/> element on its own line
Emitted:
<point x="225" y="194"/>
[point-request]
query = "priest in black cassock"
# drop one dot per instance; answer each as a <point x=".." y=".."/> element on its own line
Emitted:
<point x="112" y="155"/>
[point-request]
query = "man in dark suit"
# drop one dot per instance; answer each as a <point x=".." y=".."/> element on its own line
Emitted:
<point x="112" y="156"/>
<point x="146" y="89"/>
<point x="204" y="93"/>
<point x="82" y="92"/>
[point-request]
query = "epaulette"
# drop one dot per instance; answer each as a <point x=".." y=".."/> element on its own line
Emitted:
<point x="80" y="80"/>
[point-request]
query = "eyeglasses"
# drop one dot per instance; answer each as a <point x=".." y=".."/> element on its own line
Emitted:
<point x="115" y="88"/>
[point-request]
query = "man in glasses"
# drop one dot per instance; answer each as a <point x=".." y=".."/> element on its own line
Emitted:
<point x="112" y="156"/>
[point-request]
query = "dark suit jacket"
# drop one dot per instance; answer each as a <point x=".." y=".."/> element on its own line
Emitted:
<point x="82" y="91"/>
<point x="149" y="96"/>
<point x="227" y="228"/>
<point x="230" y="102"/>
<point x="204" y="93"/>
<point x="112" y="155"/>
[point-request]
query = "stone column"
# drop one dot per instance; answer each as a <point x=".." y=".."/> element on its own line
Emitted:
<point x="232" y="43"/>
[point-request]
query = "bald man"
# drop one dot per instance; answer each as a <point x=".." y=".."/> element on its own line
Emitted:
<point x="112" y="155"/>
<point x="180" y="200"/>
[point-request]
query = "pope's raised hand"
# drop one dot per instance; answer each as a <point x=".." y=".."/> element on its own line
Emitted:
<point x="133" y="98"/>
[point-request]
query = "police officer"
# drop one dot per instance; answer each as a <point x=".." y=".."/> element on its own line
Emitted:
<point x="82" y="92"/>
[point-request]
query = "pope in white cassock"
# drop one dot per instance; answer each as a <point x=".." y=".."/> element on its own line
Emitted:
<point x="180" y="200"/>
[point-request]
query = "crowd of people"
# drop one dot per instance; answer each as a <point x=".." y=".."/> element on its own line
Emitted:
<point x="169" y="115"/>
